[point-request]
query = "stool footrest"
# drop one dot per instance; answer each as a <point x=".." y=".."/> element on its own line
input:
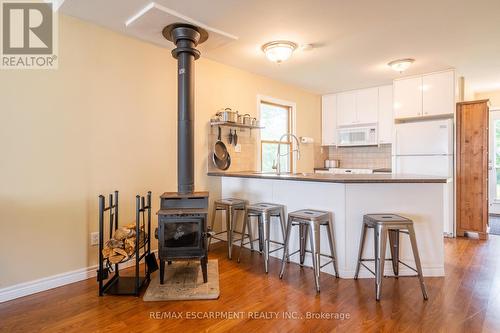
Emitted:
<point x="309" y="251"/>
<point x="413" y="269"/>
<point x="387" y="259"/>
<point x="225" y="240"/>
<point x="225" y="232"/>
<point x="367" y="268"/>
<point x="327" y="263"/>
<point x="220" y="208"/>
<point x="259" y="214"/>
<point x="277" y="249"/>
<point x="293" y="253"/>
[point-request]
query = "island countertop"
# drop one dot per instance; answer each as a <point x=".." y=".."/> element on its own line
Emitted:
<point x="423" y="199"/>
<point x="335" y="178"/>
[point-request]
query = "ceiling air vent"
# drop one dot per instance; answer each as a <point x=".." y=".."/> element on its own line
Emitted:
<point x="148" y="23"/>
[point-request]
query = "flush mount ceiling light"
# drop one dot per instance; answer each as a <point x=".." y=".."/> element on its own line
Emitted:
<point x="401" y="65"/>
<point x="279" y="51"/>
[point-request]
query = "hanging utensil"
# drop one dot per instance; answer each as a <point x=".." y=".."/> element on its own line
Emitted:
<point x="220" y="149"/>
<point x="235" y="138"/>
<point x="221" y="164"/>
<point x="230" y="136"/>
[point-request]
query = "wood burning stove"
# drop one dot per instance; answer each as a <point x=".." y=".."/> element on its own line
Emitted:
<point x="182" y="218"/>
<point x="182" y="229"/>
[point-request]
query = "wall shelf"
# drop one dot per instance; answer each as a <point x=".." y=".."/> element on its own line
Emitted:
<point x="229" y="124"/>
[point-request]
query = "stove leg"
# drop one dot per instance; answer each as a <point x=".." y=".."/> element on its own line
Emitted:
<point x="204" y="268"/>
<point x="162" y="270"/>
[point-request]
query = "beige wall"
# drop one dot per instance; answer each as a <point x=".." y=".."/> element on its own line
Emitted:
<point x="493" y="96"/>
<point x="105" y="120"/>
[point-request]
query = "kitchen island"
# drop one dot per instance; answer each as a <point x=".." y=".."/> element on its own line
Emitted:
<point x="420" y="198"/>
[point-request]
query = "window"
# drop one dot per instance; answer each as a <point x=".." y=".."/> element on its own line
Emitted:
<point x="494" y="161"/>
<point x="276" y="120"/>
<point x="496" y="151"/>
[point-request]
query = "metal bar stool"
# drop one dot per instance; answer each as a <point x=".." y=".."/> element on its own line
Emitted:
<point x="309" y="222"/>
<point x="392" y="225"/>
<point x="231" y="206"/>
<point x="264" y="212"/>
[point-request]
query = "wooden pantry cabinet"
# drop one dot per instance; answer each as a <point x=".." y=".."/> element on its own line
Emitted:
<point x="472" y="168"/>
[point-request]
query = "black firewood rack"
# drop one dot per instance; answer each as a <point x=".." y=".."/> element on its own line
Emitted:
<point x="117" y="284"/>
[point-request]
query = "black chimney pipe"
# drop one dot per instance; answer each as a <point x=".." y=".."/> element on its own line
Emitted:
<point x="186" y="37"/>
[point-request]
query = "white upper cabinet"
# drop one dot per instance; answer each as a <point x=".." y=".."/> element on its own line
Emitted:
<point x="357" y="107"/>
<point x="423" y="96"/>
<point x="385" y="114"/>
<point x="408" y="97"/>
<point x="328" y="120"/>
<point x="346" y="108"/>
<point x="439" y="93"/>
<point x="367" y="106"/>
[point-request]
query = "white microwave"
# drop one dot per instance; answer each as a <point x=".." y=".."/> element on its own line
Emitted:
<point x="358" y="136"/>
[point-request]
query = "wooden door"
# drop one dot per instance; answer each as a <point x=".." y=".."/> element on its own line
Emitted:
<point x="472" y="167"/>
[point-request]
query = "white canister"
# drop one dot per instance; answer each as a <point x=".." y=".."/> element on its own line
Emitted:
<point x="331" y="164"/>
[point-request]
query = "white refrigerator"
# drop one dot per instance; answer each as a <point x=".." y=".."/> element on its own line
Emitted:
<point x="427" y="148"/>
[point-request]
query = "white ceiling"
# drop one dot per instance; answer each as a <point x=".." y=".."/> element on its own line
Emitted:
<point x="354" y="39"/>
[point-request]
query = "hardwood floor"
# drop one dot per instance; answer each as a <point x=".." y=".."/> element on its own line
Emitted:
<point x="467" y="300"/>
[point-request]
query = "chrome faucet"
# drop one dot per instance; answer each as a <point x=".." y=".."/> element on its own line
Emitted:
<point x="277" y="163"/>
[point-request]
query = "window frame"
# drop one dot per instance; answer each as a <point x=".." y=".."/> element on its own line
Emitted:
<point x="291" y="106"/>
<point x="493" y="166"/>
<point x="493" y="163"/>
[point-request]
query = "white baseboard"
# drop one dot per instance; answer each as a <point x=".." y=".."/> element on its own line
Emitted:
<point x="50" y="282"/>
<point x="54" y="281"/>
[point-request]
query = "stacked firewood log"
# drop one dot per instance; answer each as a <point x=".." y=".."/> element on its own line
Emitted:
<point x="122" y="246"/>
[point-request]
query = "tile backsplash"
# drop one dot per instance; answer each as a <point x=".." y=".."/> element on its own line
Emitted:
<point x="372" y="157"/>
<point x="242" y="161"/>
<point x="369" y="157"/>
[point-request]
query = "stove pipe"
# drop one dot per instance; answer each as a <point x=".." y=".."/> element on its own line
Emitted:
<point x="186" y="37"/>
